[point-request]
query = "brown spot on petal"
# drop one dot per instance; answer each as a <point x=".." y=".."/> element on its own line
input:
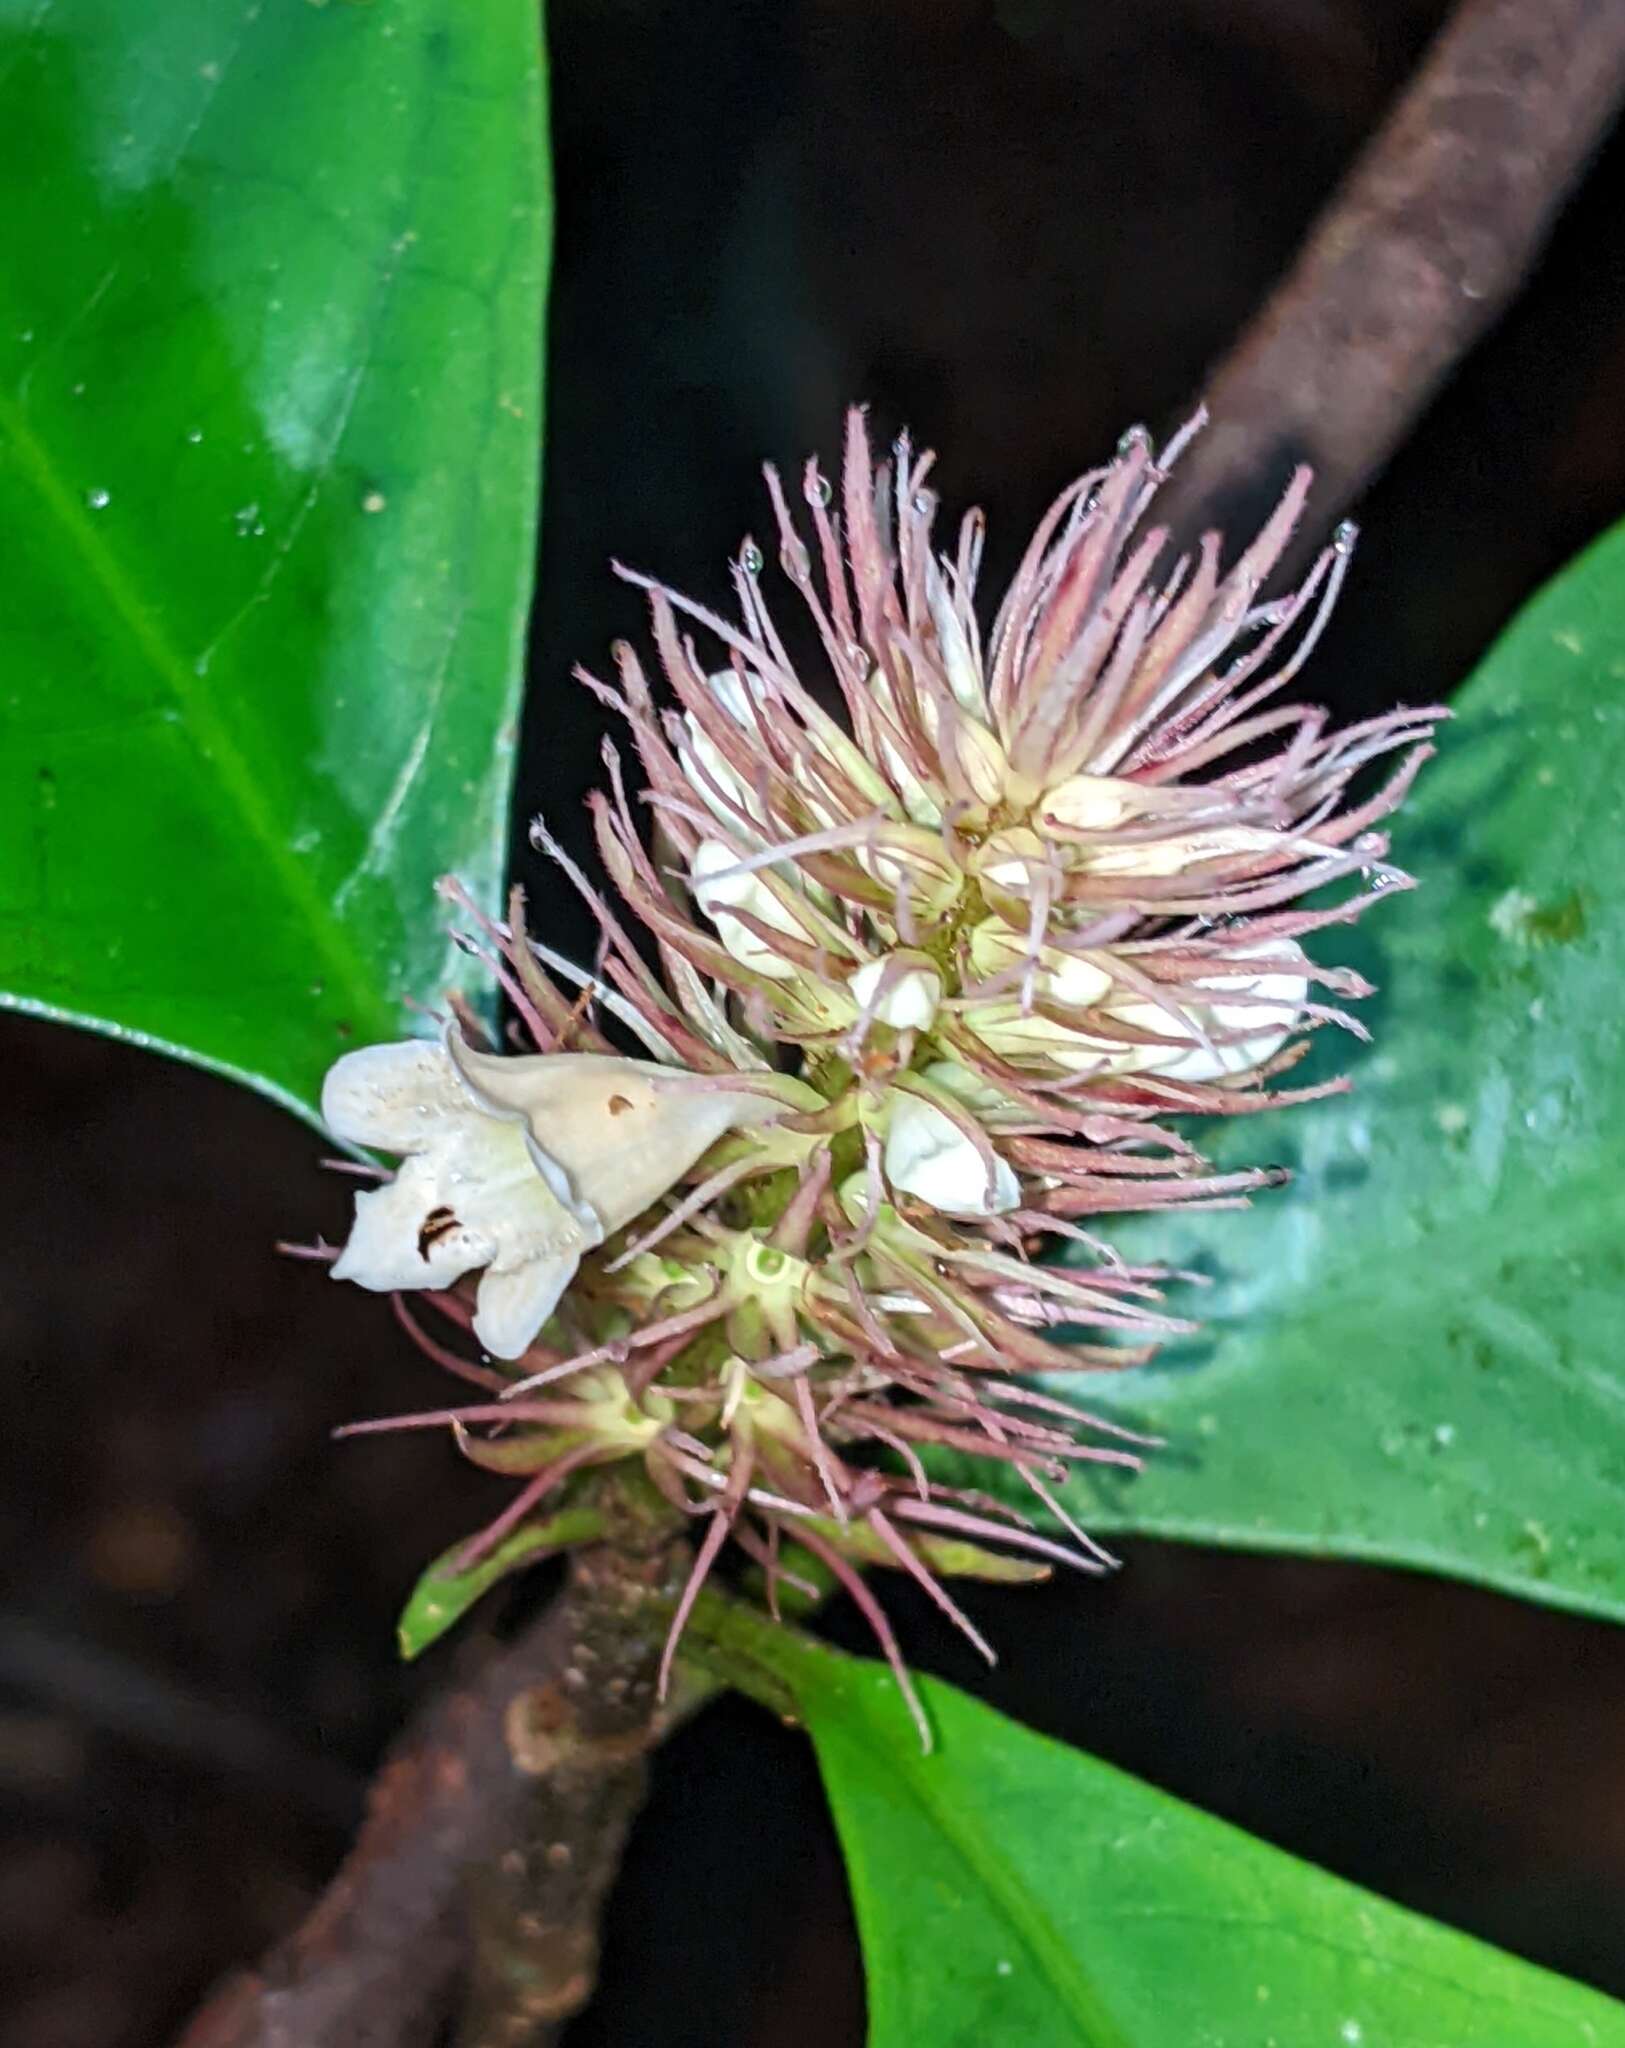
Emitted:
<point x="618" y="1104"/>
<point x="436" y="1225"/>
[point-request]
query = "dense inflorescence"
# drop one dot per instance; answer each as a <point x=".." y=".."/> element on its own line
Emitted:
<point x="947" y="924"/>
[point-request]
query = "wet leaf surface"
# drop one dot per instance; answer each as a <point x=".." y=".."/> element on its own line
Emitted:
<point x="270" y="318"/>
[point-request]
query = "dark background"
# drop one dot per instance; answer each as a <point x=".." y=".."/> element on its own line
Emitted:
<point x="1018" y="227"/>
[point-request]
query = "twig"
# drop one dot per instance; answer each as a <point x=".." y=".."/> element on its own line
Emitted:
<point x="1429" y="236"/>
<point x="114" y="1694"/>
<point x="494" y="1830"/>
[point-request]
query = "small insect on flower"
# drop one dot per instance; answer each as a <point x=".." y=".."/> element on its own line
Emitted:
<point x="935" y="964"/>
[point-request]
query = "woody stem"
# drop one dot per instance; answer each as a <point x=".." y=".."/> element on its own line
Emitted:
<point x="494" y="1831"/>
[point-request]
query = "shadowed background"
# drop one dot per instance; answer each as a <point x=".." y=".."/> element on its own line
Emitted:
<point x="1016" y="228"/>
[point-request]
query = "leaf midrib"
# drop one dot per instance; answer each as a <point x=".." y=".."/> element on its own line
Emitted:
<point x="1012" y="1894"/>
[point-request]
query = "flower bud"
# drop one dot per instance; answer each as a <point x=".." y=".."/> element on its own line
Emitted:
<point x="927" y="1154"/>
<point x="900" y="989"/>
<point x="717" y="891"/>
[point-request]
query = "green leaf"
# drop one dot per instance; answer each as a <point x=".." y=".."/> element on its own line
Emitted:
<point x="271" y="292"/>
<point x="1412" y="1354"/>
<point x="444" y="1595"/>
<point x="1009" y="1889"/>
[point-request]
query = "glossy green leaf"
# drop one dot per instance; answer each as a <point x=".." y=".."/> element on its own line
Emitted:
<point x="271" y="291"/>
<point x="444" y="1594"/>
<point x="1009" y="1889"/>
<point x="1413" y="1353"/>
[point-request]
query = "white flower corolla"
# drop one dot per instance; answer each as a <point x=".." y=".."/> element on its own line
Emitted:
<point x="909" y="990"/>
<point x="717" y="892"/>
<point x="1268" y="1017"/>
<point x="960" y="662"/>
<point x="971" y="1090"/>
<point x="515" y="1165"/>
<point x="969" y="763"/>
<point x="1015" y="860"/>
<point x="912" y="860"/>
<point x="1074" y="981"/>
<point x="719" y="774"/>
<point x="1176" y="852"/>
<point x="1110" y="803"/>
<point x="1090" y="803"/>
<point x="978" y="757"/>
<point x="1006" y="1023"/>
<point x="927" y="1154"/>
<point x="1034" y="1039"/>
<point x="914" y="795"/>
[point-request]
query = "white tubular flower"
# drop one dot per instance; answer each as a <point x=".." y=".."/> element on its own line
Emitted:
<point x="517" y="1165"/>
<point x="971" y="753"/>
<point x="1060" y="980"/>
<point x="719" y="775"/>
<point x="928" y="1155"/>
<point x="1089" y="803"/>
<point x="1109" y="804"/>
<point x="1074" y="981"/>
<point x="1179" y="851"/>
<point x="909" y="990"/>
<point x="1268" y="1017"/>
<point x="718" y="892"/>
<point x="1033" y="1040"/>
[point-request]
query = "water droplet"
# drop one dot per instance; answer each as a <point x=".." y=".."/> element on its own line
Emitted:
<point x="795" y="561"/>
<point x="925" y="503"/>
<point x="1352" y="2032"/>
<point x="374" y="501"/>
<point x="816" y="490"/>
<point x="98" y="499"/>
<point x="858" y="655"/>
<point x="750" y="559"/>
<point x="1091" y="501"/>
<point x="78" y="391"/>
<point x="1445" y="1435"/>
<point x="194" y="435"/>
<point x="1136" y="441"/>
<point x="1344" y="538"/>
<point x="247" y="521"/>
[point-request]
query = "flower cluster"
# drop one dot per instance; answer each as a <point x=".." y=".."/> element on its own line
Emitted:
<point x="947" y="920"/>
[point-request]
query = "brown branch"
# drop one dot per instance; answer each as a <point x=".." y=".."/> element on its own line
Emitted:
<point x="1428" y="238"/>
<point x="494" y="1831"/>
